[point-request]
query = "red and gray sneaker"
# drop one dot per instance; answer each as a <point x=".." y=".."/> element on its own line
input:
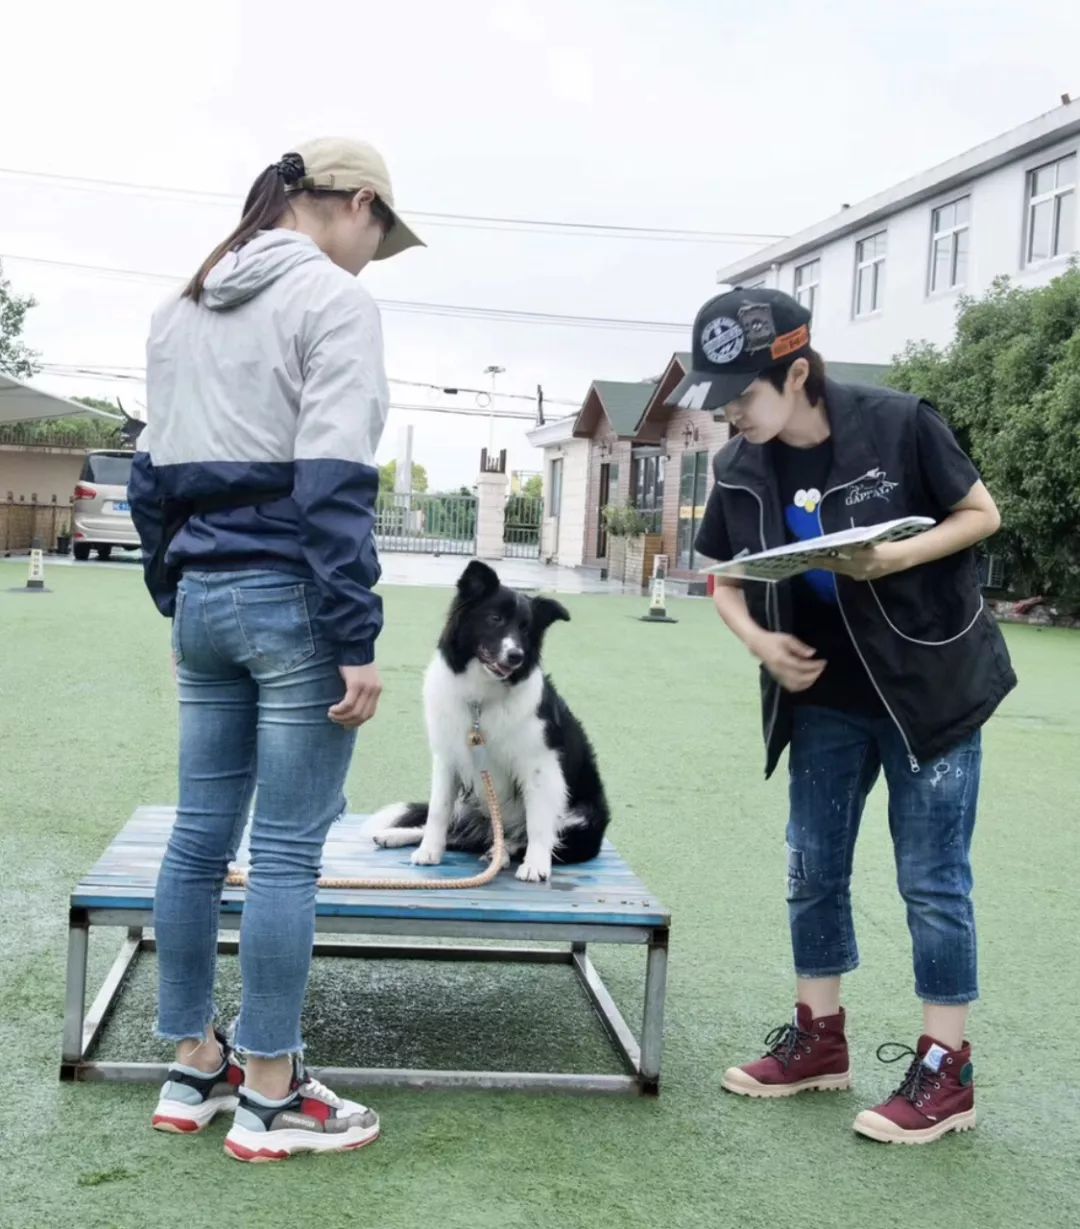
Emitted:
<point x="190" y="1099"/>
<point x="807" y="1055"/>
<point x="310" y="1119"/>
<point x="937" y="1096"/>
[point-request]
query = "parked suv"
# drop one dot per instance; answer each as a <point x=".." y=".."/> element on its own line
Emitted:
<point x="101" y="515"/>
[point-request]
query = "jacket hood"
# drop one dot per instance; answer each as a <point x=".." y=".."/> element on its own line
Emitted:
<point x="240" y="276"/>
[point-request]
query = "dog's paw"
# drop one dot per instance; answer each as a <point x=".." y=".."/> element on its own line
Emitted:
<point x="486" y="857"/>
<point x="427" y="856"/>
<point x="397" y="838"/>
<point x="534" y="870"/>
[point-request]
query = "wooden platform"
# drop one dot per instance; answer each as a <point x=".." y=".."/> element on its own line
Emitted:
<point x="598" y="901"/>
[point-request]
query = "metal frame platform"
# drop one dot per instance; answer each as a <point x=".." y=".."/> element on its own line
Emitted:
<point x="599" y="902"/>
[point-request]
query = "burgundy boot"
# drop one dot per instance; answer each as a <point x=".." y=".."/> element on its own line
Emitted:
<point x="807" y="1055"/>
<point x="937" y="1096"/>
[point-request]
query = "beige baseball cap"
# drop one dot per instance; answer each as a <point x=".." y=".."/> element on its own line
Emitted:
<point x="336" y="164"/>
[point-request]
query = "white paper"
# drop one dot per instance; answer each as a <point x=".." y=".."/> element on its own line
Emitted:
<point x="784" y="561"/>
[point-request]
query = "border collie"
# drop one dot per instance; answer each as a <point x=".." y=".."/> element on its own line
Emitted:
<point x="541" y="763"/>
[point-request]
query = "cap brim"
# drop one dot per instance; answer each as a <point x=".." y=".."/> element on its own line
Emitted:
<point x="710" y="390"/>
<point x="400" y="238"/>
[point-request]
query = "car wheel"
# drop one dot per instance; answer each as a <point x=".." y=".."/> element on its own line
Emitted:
<point x="104" y="552"/>
<point x="81" y="550"/>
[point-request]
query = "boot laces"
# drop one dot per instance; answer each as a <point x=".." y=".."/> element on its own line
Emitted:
<point x="785" y="1042"/>
<point x="919" y="1080"/>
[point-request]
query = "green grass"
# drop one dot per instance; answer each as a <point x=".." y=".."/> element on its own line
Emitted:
<point x="88" y="728"/>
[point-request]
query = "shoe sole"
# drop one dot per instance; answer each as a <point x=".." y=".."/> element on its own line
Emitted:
<point x="254" y="1147"/>
<point x="179" y="1119"/>
<point x="878" y="1127"/>
<point x="737" y="1081"/>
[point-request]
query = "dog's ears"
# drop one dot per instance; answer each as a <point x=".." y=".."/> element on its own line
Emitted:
<point x="546" y="610"/>
<point x="477" y="582"/>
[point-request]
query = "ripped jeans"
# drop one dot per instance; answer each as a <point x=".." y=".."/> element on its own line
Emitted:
<point x="835" y="759"/>
<point x="255" y="682"/>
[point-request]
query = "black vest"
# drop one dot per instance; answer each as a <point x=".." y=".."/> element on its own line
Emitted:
<point x="930" y="645"/>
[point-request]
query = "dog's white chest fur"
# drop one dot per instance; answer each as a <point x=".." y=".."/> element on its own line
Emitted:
<point x="525" y="772"/>
<point x="513" y="733"/>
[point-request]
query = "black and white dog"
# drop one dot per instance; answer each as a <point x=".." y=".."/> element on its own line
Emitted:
<point x="542" y="765"/>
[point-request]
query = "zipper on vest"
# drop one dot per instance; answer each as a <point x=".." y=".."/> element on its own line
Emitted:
<point x="770" y="600"/>
<point x="912" y="761"/>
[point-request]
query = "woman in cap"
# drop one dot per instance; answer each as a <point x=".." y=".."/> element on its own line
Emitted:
<point x="254" y="492"/>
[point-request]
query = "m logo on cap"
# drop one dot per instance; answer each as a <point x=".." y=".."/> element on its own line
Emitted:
<point x="722" y="340"/>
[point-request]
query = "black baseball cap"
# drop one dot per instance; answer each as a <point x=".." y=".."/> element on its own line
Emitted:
<point x="738" y="335"/>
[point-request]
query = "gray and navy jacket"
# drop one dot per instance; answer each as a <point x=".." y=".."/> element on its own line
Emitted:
<point x="932" y="649"/>
<point x="270" y="388"/>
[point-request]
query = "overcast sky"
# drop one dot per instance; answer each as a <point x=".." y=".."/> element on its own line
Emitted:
<point x="700" y="114"/>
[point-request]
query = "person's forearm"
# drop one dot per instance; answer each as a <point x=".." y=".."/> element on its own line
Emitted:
<point x="730" y="602"/>
<point x="960" y="529"/>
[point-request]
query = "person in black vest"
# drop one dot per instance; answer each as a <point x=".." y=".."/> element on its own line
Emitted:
<point x="885" y="661"/>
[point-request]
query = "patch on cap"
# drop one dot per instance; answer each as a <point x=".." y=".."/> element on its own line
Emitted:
<point x="788" y="343"/>
<point x="934" y="1057"/>
<point x="722" y="340"/>
<point x="758" y="325"/>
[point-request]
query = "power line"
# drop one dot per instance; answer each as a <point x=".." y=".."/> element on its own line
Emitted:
<point x="130" y="374"/>
<point x="118" y="372"/>
<point x="601" y="230"/>
<point x="414" y="307"/>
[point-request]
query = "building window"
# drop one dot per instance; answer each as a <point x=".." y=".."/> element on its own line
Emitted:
<point x="693" y="475"/>
<point x="1051" y="220"/>
<point x="807" y="280"/>
<point x="949" y="244"/>
<point x="647" y="489"/>
<point x="609" y="490"/>
<point x="870" y="274"/>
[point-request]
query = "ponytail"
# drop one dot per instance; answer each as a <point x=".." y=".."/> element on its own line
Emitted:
<point x="265" y="204"/>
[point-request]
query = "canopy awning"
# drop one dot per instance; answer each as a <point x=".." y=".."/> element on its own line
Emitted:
<point x="22" y="402"/>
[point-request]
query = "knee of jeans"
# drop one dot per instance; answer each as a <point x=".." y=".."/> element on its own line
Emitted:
<point x="192" y="858"/>
<point x="810" y="879"/>
<point x="799" y="886"/>
<point x="294" y="866"/>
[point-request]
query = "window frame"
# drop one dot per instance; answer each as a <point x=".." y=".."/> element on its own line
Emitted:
<point x="814" y="287"/>
<point x="1045" y="159"/>
<point x="950" y="233"/>
<point x="860" y="265"/>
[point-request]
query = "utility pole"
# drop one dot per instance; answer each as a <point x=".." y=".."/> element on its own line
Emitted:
<point x="492" y="371"/>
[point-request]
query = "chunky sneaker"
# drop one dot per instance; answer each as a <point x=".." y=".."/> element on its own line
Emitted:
<point x="190" y="1099"/>
<point x="937" y="1096"/>
<point x="310" y="1119"/>
<point x="807" y="1055"/>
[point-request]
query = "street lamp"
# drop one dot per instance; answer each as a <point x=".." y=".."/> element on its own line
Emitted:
<point x="492" y="371"/>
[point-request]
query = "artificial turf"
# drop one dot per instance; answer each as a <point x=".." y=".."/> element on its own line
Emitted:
<point x="88" y="729"/>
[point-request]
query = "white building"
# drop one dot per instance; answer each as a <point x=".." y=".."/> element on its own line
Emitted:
<point x="566" y="489"/>
<point x="890" y="269"/>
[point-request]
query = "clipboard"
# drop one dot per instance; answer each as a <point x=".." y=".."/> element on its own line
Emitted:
<point x="797" y="557"/>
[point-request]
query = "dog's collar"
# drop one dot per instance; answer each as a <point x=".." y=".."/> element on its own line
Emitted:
<point x="477" y="708"/>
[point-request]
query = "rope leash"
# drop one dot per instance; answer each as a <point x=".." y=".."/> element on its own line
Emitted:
<point x="238" y="879"/>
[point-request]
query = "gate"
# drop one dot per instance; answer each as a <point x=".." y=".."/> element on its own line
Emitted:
<point x="426" y="524"/>
<point x="521" y="526"/>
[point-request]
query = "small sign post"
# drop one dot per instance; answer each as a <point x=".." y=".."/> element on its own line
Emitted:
<point x="657" y="612"/>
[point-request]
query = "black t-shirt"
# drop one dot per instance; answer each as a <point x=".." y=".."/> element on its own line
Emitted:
<point x="946" y="474"/>
<point x="802" y="476"/>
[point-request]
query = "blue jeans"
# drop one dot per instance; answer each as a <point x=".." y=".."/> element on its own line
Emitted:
<point x="255" y="683"/>
<point x="835" y="759"/>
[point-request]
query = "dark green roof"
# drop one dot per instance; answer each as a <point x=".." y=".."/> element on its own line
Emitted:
<point x="624" y="403"/>
<point x="856" y="373"/>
